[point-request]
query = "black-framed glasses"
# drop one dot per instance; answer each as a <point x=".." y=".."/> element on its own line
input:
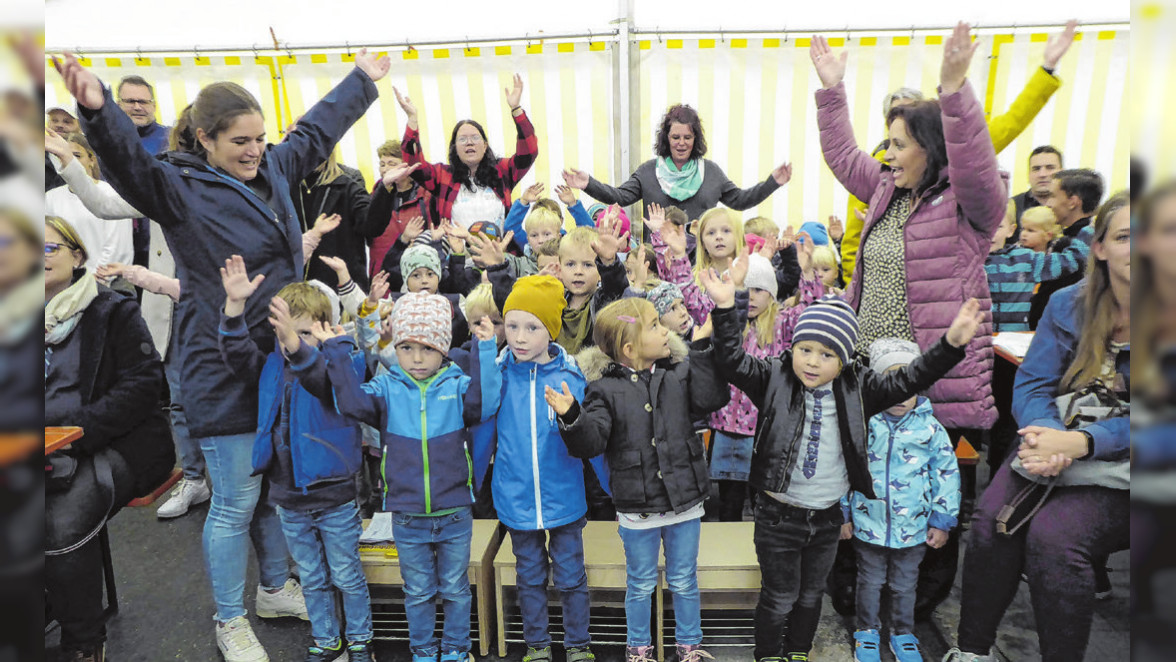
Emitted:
<point x="137" y="102"/>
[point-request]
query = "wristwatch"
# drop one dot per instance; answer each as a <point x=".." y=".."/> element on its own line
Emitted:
<point x="1089" y="445"/>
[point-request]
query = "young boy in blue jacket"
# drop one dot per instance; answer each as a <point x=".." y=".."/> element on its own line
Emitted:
<point x="917" y="485"/>
<point x="422" y="408"/>
<point x="309" y="454"/>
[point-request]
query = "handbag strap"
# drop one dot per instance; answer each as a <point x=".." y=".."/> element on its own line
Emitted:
<point x="105" y="477"/>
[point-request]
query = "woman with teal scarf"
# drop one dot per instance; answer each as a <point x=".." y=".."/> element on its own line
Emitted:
<point x="679" y="176"/>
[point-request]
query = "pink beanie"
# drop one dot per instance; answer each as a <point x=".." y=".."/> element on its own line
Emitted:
<point x="621" y="215"/>
<point x="424" y="318"/>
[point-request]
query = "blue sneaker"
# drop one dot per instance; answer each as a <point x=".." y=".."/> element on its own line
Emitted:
<point x="865" y="646"/>
<point x="457" y="656"/>
<point x="905" y="648"/>
<point x="360" y="651"/>
<point x="424" y="658"/>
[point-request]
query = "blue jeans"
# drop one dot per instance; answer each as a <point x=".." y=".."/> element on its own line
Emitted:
<point x="898" y="570"/>
<point x="566" y="550"/>
<point x="795" y="548"/>
<point x="434" y="562"/>
<point x="187" y="448"/>
<point x="730" y="457"/>
<point x="325" y="545"/>
<point x="641" y="552"/>
<point x="238" y="514"/>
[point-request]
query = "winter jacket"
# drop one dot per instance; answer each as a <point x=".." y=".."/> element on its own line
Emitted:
<point x="537" y="484"/>
<point x="324" y="445"/>
<point x="1042" y="295"/>
<point x="208" y="216"/>
<point x="643" y="424"/>
<point x="438" y="180"/>
<point x="947" y="236"/>
<point x="1014" y="272"/>
<point x="1038" y="381"/>
<point x="121" y="380"/>
<point x="1003" y="129"/>
<point x="716" y="188"/>
<point x="346" y="197"/>
<point x="422" y="424"/>
<point x="738" y="418"/>
<point x="778" y="393"/>
<point x="518" y="213"/>
<point x="916" y="480"/>
<point x="388" y="213"/>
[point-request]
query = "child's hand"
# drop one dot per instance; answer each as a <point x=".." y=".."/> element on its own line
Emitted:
<point x="787" y="237"/>
<point x="234" y="277"/>
<point x="966" y="324"/>
<point x="386" y="329"/>
<point x="936" y="538"/>
<point x="108" y="272"/>
<point x="641" y="269"/>
<point x="770" y="248"/>
<point x="560" y="402"/>
<point x="412" y="230"/>
<point x="705" y="331"/>
<point x="567" y="194"/>
<point x="379" y="289"/>
<point x="398" y="173"/>
<point x="610" y="241"/>
<point x="532" y="193"/>
<point x="549" y="269"/>
<point x="324" y="223"/>
<point x="283" y="324"/>
<point x="323" y="332"/>
<point x="847" y="531"/>
<point x="483" y="329"/>
<point x="837" y="228"/>
<point x="804" y="254"/>
<point x="58" y="146"/>
<point x="488" y="251"/>
<point x="456" y="234"/>
<point x="782" y="173"/>
<point x="338" y="266"/>
<point x="675" y="238"/>
<point x="739" y="267"/>
<point x="721" y="289"/>
<point x="657" y="218"/>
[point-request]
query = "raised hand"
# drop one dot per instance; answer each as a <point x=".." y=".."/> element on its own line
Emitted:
<point x="549" y="269"/>
<point x="787" y="237"/>
<point x="830" y="68"/>
<point x="386" y="329"/>
<point x="706" y="330"/>
<point x="641" y="268"/>
<point x="398" y="173"/>
<point x="236" y="281"/>
<point x="837" y="228"/>
<point x="770" y="248"/>
<point x="739" y="267"/>
<point x="488" y="251"/>
<point x="804" y="254"/>
<point x="957" y="57"/>
<point x="379" y="289"/>
<point x="721" y="289"/>
<point x="483" y="329"/>
<point x="514" y="95"/>
<point x="560" y="402"/>
<point x="82" y="84"/>
<point x="407" y="106"/>
<point x="567" y="194"/>
<point x="657" y="218"/>
<point x="324" y="223"/>
<point x="782" y="173"/>
<point x="609" y="240"/>
<point x="577" y="179"/>
<point x="58" y="146"/>
<point x="412" y="230"/>
<point x="283" y="324"/>
<point x="458" y="236"/>
<point x="675" y="238"/>
<point x="375" y="67"/>
<point x="337" y="265"/>
<point x="966" y="324"/>
<point x="323" y="331"/>
<point x="1058" y="44"/>
<point x="532" y="193"/>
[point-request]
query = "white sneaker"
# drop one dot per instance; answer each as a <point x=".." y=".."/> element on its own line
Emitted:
<point x="188" y="494"/>
<point x="286" y="602"/>
<point x="957" y="655"/>
<point x="237" y="642"/>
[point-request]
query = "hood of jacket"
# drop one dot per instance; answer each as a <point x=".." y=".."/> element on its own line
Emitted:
<point x="594" y="363"/>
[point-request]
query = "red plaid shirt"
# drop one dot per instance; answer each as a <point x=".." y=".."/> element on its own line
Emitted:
<point x="438" y="179"/>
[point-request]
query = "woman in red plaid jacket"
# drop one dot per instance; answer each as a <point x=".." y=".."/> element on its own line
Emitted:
<point x="475" y="185"/>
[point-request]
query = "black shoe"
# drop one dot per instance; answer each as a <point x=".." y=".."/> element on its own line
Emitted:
<point x="361" y="651"/>
<point x="320" y="654"/>
<point x="94" y="653"/>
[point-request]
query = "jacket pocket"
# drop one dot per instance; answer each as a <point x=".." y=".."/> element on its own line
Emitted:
<point x="698" y="465"/>
<point x="628" y="480"/>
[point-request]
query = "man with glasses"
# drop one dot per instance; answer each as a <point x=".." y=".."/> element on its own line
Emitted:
<point x="137" y="99"/>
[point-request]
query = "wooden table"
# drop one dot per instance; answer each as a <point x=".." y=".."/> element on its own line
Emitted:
<point x="60" y="437"/>
<point x="604" y="563"/>
<point x="1007" y="355"/>
<point x="381" y="565"/>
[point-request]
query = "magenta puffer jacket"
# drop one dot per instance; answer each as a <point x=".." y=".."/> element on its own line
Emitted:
<point x="947" y="239"/>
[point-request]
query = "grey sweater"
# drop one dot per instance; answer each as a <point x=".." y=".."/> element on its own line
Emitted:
<point x="716" y="188"/>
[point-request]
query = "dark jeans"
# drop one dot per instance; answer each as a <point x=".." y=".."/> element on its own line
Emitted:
<point x="732" y="494"/>
<point x="1054" y="550"/>
<point x="565" y="548"/>
<point x="898" y="571"/>
<point x="795" y="548"/>
<point x="73" y="580"/>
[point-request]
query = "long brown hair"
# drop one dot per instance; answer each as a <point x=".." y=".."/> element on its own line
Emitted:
<point x="1145" y="304"/>
<point x="80" y="140"/>
<point x="1098" y="306"/>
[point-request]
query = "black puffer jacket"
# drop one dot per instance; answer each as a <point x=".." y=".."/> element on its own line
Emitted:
<point x="775" y="390"/>
<point x="347" y="198"/>
<point x="642" y="423"/>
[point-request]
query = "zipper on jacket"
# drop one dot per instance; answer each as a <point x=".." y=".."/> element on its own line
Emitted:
<point x="790" y="463"/>
<point x="535" y="452"/>
<point x="889" y="506"/>
<point x="425" y="451"/>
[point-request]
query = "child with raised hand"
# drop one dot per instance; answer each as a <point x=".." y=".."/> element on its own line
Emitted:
<point x="917" y="484"/>
<point x="767" y="333"/>
<point x="810" y="446"/>
<point x="538" y="487"/>
<point x="309" y="454"/>
<point x="720" y="241"/>
<point x="531" y="200"/>
<point x="645" y="389"/>
<point x="422" y="407"/>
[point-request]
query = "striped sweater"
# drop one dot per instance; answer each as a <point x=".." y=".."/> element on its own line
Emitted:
<point x="1014" y="272"/>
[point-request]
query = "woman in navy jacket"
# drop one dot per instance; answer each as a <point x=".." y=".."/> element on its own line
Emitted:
<point x="232" y="195"/>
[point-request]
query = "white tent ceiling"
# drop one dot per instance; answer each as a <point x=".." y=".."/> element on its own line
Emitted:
<point x="155" y="25"/>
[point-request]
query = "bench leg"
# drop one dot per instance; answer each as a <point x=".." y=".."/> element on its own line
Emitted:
<point x="108" y="572"/>
<point x="498" y="611"/>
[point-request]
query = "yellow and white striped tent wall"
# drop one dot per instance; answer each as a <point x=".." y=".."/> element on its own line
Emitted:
<point x="567" y="94"/>
<point x="177" y="80"/>
<point x="1153" y="96"/>
<point x="1087" y="118"/>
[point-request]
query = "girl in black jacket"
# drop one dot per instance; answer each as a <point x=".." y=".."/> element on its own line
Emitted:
<point x="643" y="394"/>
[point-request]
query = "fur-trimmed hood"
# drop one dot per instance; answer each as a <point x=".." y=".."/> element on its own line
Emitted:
<point x="594" y="363"/>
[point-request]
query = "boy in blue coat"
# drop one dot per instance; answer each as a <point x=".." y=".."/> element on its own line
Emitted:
<point x="309" y="454"/>
<point x="422" y="407"/>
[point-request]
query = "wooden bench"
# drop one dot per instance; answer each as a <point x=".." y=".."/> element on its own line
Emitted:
<point x="966" y="455"/>
<point x="381" y="566"/>
<point x="104" y="537"/>
<point x="728" y="579"/>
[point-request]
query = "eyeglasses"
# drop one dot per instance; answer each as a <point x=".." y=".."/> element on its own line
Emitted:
<point x="52" y="248"/>
<point x="137" y="102"/>
<point x="469" y="140"/>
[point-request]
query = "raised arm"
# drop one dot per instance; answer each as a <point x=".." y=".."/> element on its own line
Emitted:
<point x="1041" y="85"/>
<point x="857" y="171"/>
<point x="100" y="200"/>
<point x="484" y="393"/>
<point x="354" y="399"/>
<point x="526" y="143"/>
<point x="624" y="195"/>
<point x="743" y="371"/>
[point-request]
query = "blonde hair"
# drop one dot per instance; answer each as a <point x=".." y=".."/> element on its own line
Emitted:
<point x="68" y="234"/>
<point x="620" y="323"/>
<point x="330" y="171"/>
<point x="1098" y="306"/>
<point x="480" y="299"/>
<point x="703" y="260"/>
<point x="541" y="216"/>
<point x="1146" y="305"/>
<point x="80" y="140"/>
<point x="823" y="256"/>
<point x="578" y="237"/>
<point x="764" y="325"/>
<point x="306" y="300"/>
<point x="1042" y="218"/>
<point x="550" y="248"/>
<point x="762" y="226"/>
<point x="390" y="148"/>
